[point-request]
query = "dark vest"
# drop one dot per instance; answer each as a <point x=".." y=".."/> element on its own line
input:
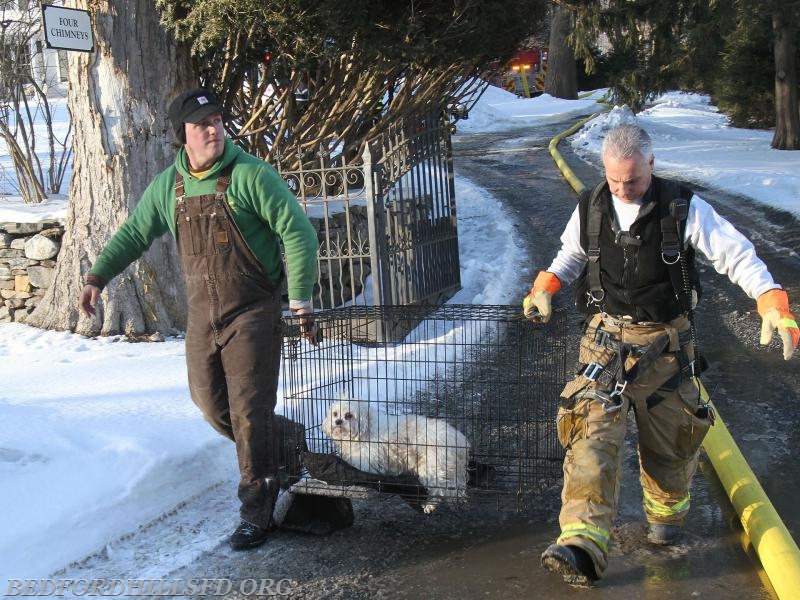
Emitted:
<point x="636" y="281"/>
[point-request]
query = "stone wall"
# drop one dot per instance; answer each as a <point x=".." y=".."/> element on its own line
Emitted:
<point x="28" y="254"/>
<point x="27" y="258"/>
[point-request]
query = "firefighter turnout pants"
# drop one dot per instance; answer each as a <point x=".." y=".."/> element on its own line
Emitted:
<point x="591" y="422"/>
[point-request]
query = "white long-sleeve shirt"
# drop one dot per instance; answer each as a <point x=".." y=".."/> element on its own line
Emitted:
<point x="730" y="252"/>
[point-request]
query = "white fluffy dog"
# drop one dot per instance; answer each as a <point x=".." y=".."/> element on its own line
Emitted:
<point x="374" y="441"/>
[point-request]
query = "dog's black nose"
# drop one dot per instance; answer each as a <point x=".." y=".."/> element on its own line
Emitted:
<point x="338" y="422"/>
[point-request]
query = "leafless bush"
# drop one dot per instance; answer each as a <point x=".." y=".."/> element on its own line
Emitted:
<point x="38" y="155"/>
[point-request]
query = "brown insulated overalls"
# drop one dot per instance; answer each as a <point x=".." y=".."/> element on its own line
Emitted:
<point x="232" y="340"/>
<point x="670" y="422"/>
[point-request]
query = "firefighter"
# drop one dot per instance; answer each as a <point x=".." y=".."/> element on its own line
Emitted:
<point x="630" y="246"/>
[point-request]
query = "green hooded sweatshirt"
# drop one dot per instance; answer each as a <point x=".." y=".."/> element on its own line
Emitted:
<point x="263" y="207"/>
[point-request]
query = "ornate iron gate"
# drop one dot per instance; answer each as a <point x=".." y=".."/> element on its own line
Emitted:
<point x="387" y="222"/>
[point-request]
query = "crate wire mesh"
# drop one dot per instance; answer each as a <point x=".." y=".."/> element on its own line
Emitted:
<point x="483" y="370"/>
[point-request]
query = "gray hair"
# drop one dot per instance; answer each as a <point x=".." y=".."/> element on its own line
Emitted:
<point x="626" y="140"/>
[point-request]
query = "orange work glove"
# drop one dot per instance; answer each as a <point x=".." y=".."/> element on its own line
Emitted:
<point x="537" y="305"/>
<point x="773" y="306"/>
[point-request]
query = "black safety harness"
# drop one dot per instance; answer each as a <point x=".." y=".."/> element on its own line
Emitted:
<point x="613" y="375"/>
<point x="673" y="226"/>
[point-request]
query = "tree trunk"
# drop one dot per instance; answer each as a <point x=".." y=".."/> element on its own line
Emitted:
<point x="787" y="114"/>
<point x="117" y="98"/>
<point x="562" y="78"/>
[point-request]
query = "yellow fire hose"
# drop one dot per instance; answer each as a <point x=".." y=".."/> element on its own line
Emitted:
<point x="562" y="165"/>
<point x="568" y="174"/>
<point x="771" y="540"/>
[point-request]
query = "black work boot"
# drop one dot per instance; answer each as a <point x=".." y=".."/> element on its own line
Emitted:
<point x="248" y="536"/>
<point x="663" y="534"/>
<point x="572" y="562"/>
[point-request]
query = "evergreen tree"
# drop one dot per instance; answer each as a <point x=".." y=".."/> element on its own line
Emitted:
<point x="743" y="53"/>
<point x="744" y="84"/>
<point x="303" y="76"/>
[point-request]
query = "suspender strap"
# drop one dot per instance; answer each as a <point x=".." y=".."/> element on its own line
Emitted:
<point x="671" y="254"/>
<point x="673" y="225"/>
<point x="224" y="179"/>
<point x="179" y="187"/>
<point x="670" y="241"/>
<point x="594" y="221"/>
<point x="180" y="192"/>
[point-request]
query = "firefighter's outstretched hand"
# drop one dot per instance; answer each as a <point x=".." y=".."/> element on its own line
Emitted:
<point x="538" y="304"/>
<point x="773" y="306"/>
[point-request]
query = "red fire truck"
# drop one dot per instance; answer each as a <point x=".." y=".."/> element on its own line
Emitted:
<point x="523" y="69"/>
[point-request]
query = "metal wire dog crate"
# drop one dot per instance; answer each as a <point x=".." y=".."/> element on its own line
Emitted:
<point x="484" y="370"/>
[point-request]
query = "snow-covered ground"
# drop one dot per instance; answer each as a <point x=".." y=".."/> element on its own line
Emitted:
<point x="100" y="437"/>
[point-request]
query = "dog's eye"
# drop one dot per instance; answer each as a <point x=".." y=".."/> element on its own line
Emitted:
<point x="335" y="414"/>
<point x="348" y="415"/>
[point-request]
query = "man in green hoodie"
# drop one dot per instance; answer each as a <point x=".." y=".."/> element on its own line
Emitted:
<point x="229" y="212"/>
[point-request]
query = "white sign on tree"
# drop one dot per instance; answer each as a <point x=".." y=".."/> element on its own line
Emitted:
<point x="67" y="28"/>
